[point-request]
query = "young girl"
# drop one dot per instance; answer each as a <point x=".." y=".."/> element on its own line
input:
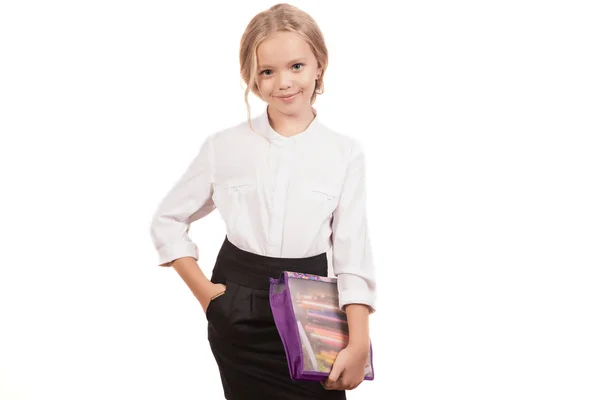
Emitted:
<point x="288" y="189"/>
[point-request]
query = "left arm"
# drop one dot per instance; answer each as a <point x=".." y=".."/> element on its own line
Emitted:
<point x="352" y="255"/>
<point x="353" y="266"/>
<point x="358" y="326"/>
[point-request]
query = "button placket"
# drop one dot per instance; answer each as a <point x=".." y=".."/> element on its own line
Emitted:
<point x="279" y="194"/>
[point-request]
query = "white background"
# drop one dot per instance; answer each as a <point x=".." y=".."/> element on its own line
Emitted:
<point x="480" y="122"/>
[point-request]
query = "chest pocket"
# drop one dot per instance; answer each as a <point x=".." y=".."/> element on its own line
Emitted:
<point x="234" y="197"/>
<point x="325" y="191"/>
<point x="239" y="185"/>
<point x="321" y="197"/>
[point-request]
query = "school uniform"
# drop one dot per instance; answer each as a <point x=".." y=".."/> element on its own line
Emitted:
<point x="285" y="201"/>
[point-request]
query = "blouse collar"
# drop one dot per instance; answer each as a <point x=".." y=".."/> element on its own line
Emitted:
<point x="266" y="130"/>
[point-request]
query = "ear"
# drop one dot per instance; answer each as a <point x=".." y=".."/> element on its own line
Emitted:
<point x="319" y="72"/>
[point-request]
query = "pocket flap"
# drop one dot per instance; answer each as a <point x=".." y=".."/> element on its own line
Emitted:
<point x="328" y="189"/>
<point x="240" y="181"/>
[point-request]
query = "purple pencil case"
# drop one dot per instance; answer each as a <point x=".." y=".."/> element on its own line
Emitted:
<point x="311" y="325"/>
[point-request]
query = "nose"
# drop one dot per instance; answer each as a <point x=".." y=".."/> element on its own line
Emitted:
<point x="285" y="80"/>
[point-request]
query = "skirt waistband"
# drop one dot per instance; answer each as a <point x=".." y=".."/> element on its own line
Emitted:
<point x="254" y="270"/>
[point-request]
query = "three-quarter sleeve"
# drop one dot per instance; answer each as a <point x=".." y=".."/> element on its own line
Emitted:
<point x="351" y="253"/>
<point x="187" y="201"/>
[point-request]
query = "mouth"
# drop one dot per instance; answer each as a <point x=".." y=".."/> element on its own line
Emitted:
<point x="288" y="98"/>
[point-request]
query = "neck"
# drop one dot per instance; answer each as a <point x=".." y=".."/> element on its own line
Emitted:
<point x="290" y="124"/>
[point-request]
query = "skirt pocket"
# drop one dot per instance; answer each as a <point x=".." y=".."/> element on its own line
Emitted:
<point x="219" y="307"/>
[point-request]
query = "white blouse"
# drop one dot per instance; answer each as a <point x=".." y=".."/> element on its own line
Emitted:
<point x="279" y="196"/>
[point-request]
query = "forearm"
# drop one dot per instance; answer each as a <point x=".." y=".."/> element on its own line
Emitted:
<point x="194" y="278"/>
<point x="358" y="324"/>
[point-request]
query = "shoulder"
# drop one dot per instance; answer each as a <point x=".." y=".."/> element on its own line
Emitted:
<point x="235" y="133"/>
<point x="232" y="131"/>
<point x="343" y="143"/>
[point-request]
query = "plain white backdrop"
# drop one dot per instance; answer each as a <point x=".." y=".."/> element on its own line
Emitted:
<point x="480" y="122"/>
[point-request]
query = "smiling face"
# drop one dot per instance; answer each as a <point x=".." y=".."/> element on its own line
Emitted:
<point x="287" y="73"/>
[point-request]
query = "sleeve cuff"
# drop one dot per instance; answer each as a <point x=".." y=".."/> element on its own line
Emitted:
<point x="354" y="289"/>
<point x="168" y="254"/>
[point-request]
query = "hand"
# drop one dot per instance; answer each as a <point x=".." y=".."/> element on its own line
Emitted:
<point x="214" y="289"/>
<point x="348" y="369"/>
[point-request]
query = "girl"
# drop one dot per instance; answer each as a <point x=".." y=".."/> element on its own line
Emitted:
<point x="288" y="189"/>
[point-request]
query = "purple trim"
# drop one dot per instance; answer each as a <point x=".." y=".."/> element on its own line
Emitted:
<point x="285" y="321"/>
<point x="372" y="376"/>
<point x="276" y="300"/>
<point x="296" y="351"/>
<point x="310" y="277"/>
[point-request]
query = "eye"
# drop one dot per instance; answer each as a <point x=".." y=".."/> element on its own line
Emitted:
<point x="300" y="65"/>
<point x="263" y="72"/>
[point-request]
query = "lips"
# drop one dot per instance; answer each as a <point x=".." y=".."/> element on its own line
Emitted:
<point x="287" y="96"/>
<point x="289" y="99"/>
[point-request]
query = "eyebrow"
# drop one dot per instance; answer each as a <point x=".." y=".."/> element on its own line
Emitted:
<point x="291" y="63"/>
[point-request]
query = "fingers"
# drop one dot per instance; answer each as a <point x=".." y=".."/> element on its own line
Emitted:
<point x="346" y="373"/>
<point x="336" y="370"/>
<point x="341" y="384"/>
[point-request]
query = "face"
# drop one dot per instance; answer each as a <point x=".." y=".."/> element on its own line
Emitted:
<point x="287" y="73"/>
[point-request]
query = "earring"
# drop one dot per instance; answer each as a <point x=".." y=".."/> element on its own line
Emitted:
<point x="318" y="90"/>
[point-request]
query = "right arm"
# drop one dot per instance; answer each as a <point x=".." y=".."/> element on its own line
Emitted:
<point x="194" y="278"/>
<point x="188" y="200"/>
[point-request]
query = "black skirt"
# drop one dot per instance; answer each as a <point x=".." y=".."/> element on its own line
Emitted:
<point x="242" y="333"/>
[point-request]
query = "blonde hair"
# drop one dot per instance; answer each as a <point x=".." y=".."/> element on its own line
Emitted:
<point x="279" y="18"/>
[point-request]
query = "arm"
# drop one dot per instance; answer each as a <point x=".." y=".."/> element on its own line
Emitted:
<point x="187" y="201"/>
<point x="352" y="257"/>
<point x="202" y="288"/>
<point x="353" y="266"/>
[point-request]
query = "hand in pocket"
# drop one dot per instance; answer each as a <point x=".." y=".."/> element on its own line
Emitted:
<point x="216" y="290"/>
